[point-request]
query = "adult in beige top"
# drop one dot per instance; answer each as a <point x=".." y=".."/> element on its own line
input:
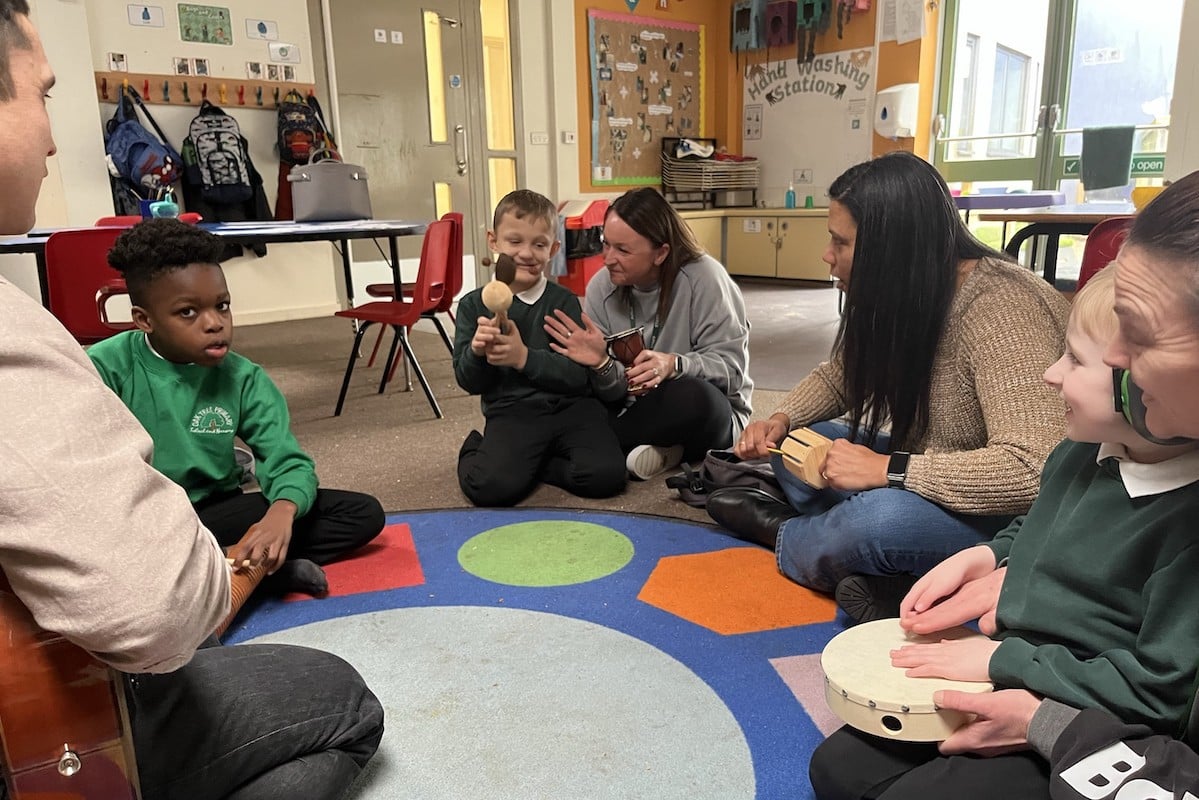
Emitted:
<point x="937" y="368"/>
<point x="109" y="553"/>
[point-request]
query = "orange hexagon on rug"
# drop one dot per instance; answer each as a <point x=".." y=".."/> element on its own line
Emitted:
<point x="738" y="590"/>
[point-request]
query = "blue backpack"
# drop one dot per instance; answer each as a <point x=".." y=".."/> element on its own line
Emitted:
<point x="135" y="154"/>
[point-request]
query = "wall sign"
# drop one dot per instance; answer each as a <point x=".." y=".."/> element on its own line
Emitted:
<point x="206" y="24"/>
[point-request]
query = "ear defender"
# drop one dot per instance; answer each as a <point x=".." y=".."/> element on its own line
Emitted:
<point x="1131" y="405"/>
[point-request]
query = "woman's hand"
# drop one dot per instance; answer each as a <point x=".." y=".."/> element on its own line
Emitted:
<point x="854" y="468"/>
<point x="650" y="368"/>
<point x="954" y="659"/>
<point x="1000" y="724"/>
<point x="583" y="344"/>
<point x="919" y="611"/>
<point x="761" y="435"/>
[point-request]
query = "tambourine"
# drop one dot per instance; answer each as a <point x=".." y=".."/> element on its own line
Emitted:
<point x="867" y="693"/>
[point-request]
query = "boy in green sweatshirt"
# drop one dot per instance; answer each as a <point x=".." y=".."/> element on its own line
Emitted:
<point x="178" y="376"/>
<point x="1095" y="607"/>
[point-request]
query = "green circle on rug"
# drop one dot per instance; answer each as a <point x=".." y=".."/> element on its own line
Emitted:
<point x="545" y="553"/>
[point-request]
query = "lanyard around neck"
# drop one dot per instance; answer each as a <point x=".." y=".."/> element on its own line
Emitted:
<point x="653" y="337"/>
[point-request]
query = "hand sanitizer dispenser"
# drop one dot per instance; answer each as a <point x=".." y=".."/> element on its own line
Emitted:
<point x="895" y="111"/>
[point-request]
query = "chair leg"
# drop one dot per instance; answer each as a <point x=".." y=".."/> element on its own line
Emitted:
<point x="445" y="337"/>
<point x="391" y="355"/>
<point x="345" y="384"/>
<point x="420" y="375"/>
<point x="391" y="372"/>
<point x="378" y="341"/>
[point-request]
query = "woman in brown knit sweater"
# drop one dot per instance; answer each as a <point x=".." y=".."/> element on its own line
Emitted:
<point x="937" y="370"/>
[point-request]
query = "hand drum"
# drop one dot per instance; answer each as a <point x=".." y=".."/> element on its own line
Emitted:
<point x="625" y="346"/>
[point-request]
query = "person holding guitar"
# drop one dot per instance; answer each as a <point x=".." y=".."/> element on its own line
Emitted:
<point x="107" y="553"/>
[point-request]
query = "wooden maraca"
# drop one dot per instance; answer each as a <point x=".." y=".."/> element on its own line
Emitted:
<point x="497" y="294"/>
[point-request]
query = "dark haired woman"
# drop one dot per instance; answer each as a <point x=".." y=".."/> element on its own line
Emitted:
<point x="688" y="391"/>
<point x="937" y="368"/>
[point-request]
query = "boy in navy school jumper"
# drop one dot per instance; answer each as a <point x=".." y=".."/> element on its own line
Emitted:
<point x="178" y="376"/>
<point x="543" y="424"/>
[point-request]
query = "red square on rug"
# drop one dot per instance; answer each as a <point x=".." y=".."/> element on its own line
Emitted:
<point x="388" y="562"/>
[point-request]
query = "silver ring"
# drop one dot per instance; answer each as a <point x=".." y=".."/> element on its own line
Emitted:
<point x="656" y="373"/>
<point x="569" y="334"/>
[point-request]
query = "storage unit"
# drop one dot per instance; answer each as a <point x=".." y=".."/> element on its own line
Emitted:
<point x="783" y="246"/>
<point x="584" y="222"/>
<point x="709" y="232"/>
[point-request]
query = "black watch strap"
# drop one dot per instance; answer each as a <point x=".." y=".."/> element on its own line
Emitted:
<point x="897" y="469"/>
<point x="678" y="366"/>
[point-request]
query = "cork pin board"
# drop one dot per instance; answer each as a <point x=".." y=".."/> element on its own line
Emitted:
<point x="646" y="83"/>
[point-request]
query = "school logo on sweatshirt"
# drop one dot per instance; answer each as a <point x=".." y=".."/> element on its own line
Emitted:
<point x="213" y="420"/>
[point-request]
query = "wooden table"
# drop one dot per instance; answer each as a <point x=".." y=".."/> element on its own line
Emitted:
<point x="1051" y="223"/>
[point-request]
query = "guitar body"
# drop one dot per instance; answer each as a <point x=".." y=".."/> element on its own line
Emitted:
<point x="64" y="727"/>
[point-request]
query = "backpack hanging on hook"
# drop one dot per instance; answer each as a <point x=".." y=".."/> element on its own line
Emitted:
<point x="814" y="17"/>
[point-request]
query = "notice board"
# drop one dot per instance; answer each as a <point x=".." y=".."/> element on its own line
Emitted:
<point x="646" y="83"/>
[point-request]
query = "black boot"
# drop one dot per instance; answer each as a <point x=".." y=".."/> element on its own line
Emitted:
<point x="866" y="598"/>
<point x="750" y="514"/>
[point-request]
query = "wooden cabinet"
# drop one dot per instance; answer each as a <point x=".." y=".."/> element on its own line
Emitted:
<point x="709" y="231"/>
<point x="777" y="246"/>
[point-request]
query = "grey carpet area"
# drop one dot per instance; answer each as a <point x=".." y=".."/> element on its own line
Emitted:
<point x="392" y="446"/>
<point x="599" y="714"/>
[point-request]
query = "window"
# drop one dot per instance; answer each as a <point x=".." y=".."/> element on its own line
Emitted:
<point x="967" y="93"/>
<point x="1009" y="100"/>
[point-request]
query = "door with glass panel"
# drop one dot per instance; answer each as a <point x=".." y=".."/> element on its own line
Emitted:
<point x="409" y="108"/>
<point x="1021" y="79"/>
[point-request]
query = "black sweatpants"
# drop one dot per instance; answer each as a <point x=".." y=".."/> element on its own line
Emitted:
<point x="338" y="523"/>
<point x="851" y="765"/>
<point x="566" y="443"/>
<point x="688" y="411"/>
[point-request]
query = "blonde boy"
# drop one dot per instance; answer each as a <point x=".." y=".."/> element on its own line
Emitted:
<point x="1088" y="613"/>
<point x="542" y="422"/>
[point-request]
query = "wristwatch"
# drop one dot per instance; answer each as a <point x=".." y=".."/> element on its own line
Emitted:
<point x="678" y="367"/>
<point x="897" y="469"/>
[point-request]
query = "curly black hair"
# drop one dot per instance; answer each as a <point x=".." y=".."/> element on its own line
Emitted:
<point x="158" y="246"/>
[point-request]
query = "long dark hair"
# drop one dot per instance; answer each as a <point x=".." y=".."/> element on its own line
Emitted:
<point x="1168" y="229"/>
<point x="909" y="243"/>
<point x="648" y="213"/>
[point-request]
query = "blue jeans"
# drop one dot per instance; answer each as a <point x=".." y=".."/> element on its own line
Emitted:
<point x="253" y="722"/>
<point x="875" y="532"/>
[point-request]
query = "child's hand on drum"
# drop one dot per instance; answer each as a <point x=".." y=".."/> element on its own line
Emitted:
<point x="941" y="582"/>
<point x="956" y="660"/>
<point x="1000" y="724"/>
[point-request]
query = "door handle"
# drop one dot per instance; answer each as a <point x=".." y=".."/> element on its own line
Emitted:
<point x="460" y="147"/>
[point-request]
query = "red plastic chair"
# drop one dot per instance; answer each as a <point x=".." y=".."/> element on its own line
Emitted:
<point x="1102" y="246"/>
<point x="126" y="221"/>
<point x="428" y="292"/>
<point x="452" y="288"/>
<point x="79" y="282"/>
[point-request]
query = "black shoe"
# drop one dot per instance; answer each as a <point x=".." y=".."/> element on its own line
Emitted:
<point x="750" y="514"/>
<point x="866" y="598"/>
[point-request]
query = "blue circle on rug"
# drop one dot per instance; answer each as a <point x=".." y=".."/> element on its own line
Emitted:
<point x="546" y="553"/>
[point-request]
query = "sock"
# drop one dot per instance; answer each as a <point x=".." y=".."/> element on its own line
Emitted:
<point x="300" y="575"/>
